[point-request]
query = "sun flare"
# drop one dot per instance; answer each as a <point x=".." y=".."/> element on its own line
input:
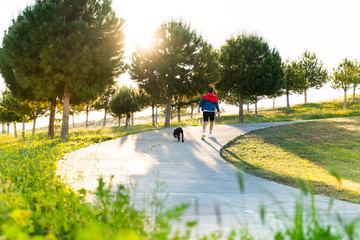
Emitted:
<point x="136" y="37"/>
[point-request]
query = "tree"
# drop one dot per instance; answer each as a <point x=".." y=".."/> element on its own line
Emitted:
<point x="344" y="75"/>
<point x="3" y="119"/>
<point x="78" y="50"/>
<point x="291" y="80"/>
<point x="193" y="103"/>
<point x="20" y="62"/>
<point x="103" y="102"/>
<point x="37" y="109"/>
<point x="143" y="71"/>
<point x="249" y="69"/>
<point x="274" y="96"/>
<point x="356" y="80"/>
<point x="180" y="102"/>
<point x="312" y="73"/>
<point x="179" y="62"/>
<point x="7" y="117"/>
<point x="125" y="102"/>
<point x="14" y="111"/>
<point x="76" y="109"/>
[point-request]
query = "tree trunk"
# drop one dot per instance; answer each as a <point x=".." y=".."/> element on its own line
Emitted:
<point x="3" y="128"/>
<point x="241" y="110"/>
<point x="119" y="120"/>
<point x="51" y="132"/>
<point x="305" y="96"/>
<point x="34" y="126"/>
<point x="104" y="122"/>
<point x="65" y="118"/>
<point x="256" y="112"/>
<point x="192" y="112"/>
<point x="153" y="115"/>
<point x="179" y="114"/>
<point x="15" y="131"/>
<point x="23" y="128"/>
<point x="168" y="111"/>
<point x="73" y="120"/>
<point x="344" y="98"/>
<point x="354" y="93"/>
<point x="274" y="102"/>
<point x="8" y="128"/>
<point x="132" y="119"/>
<point x="248" y="106"/>
<point x="87" y="117"/>
<point x="127" y="120"/>
<point x="288" y="101"/>
<point x="156" y="116"/>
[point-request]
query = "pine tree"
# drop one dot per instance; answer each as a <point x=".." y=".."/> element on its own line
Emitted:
<point x="65" y="49"/>
<point x="312" y="73"/>
<point x="344" y="75"/>
<point x="249" y="69"/>
<point x="179" y="62"/>
<point x="126" y="101"/>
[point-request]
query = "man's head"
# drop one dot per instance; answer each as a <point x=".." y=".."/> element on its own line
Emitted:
<point x="211" y="90"/>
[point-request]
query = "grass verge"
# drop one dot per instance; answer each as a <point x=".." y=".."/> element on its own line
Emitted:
<point x="35" y="204"/>
<point x="324" y="153"/>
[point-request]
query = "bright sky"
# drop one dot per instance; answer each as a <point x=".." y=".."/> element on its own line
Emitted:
<point x="327" y="27"/>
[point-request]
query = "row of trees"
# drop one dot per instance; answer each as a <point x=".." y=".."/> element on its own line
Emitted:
<point x="245" y="69"/>
<point x="12" y="110"/>
<point x="179" y="65"/>
<point x="307" y="72"/>
<point x="69" y="53"/>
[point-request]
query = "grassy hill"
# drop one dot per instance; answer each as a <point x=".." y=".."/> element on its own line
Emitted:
<point x="325" y="153"/>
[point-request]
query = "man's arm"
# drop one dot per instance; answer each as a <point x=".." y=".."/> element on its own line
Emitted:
<point x="201" y="104"/>
<point x="217" y="108"/>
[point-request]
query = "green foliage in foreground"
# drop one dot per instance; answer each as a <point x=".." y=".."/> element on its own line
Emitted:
<point x="34" y="203"/>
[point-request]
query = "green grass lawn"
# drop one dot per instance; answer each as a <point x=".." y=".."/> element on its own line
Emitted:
<point x="318" y="152"/>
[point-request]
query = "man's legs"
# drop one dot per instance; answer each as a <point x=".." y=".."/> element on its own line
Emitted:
<point x="205" y="117"/>
<point x="211" y="126"/>
<point x="204" y="126"/>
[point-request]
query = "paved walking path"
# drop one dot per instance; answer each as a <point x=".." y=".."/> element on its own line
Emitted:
<point x="192" y="172"/>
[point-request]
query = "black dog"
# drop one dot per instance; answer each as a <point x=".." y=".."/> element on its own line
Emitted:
<point x="177" y="132"/>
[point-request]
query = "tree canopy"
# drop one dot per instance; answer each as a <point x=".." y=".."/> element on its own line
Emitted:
<point x="291" y="80"/>
<point x="179" y="62"/>
<point x="312" y="73"/>
<point x="127" y="100"/>
<point x="346" y="74"/>
<point x="249" y="70"/>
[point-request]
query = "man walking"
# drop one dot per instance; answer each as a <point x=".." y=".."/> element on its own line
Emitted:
<point x="208" y="103"/>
